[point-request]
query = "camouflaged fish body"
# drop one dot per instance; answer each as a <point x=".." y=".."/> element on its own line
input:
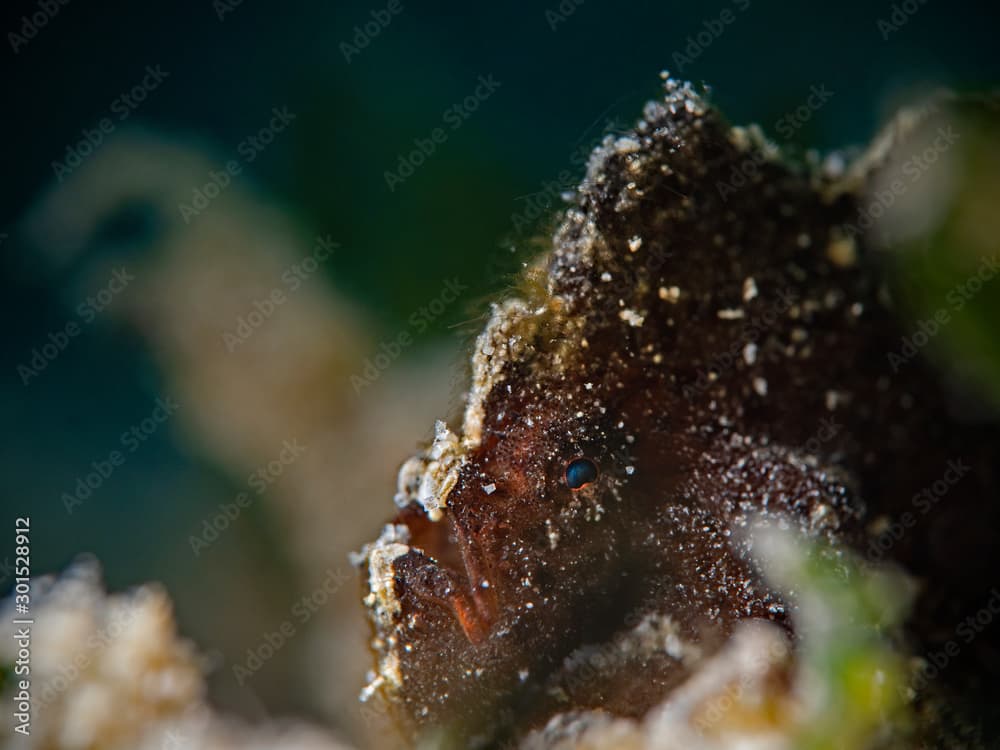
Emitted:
<point x="716" y="354"/>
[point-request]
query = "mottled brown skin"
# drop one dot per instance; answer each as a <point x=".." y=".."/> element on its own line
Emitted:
<point x="708" y="452"/>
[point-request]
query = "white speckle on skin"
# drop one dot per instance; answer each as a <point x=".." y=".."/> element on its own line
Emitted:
<point x="552" y="533"/>
<point x="634" y="243"/>
<point x="760" y="386"/>
<point x="735" y="313"/>
<point x="749" y="289"/>
<point x="605" y="276"/>
<point x="489" y="489"/>
<point x="670" y="294"/>
<point x="842" y="250"/>
<point x="750" y="353"/>
<point x="627" y="145"/>
<point x="631" y="317"/>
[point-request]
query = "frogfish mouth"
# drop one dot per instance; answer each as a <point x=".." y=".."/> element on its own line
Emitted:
<point x="703" y="346"/>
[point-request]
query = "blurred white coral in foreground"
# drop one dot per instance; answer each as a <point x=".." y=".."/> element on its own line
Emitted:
<point x="110" y="672"/>
<point x="737" y="699"/>
<point x="839" y="686"/>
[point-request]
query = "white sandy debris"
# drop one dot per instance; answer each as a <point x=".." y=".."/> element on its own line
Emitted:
<point x="760" y="386"/>
<point x="670" y="294"/>
<point x="631" y="317"/>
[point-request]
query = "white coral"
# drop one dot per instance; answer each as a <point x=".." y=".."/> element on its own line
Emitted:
<point x="111" y="672"/>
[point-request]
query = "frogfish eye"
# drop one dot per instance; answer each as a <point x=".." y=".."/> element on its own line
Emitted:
<point x="580" y="472"/>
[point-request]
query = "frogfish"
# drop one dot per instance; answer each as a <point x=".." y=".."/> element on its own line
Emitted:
<point x="704" y="343"/>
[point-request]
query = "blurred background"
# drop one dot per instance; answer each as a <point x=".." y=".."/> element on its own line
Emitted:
<point x="245" y="245"/>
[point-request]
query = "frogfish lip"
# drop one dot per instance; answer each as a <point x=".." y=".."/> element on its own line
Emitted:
<point x="451" y="570"/>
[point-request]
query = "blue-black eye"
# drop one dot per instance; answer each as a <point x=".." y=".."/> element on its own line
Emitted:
<point x="580" y="472"/>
